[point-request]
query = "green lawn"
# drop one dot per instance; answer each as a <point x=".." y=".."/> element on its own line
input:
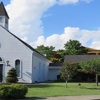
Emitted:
<point x="58" y="89"/>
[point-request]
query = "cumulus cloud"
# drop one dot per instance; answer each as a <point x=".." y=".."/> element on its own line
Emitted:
<point x="96" y="44"/>
<point x="25" y="16"/>
<point x="74" y="33"/>
<point x="62" y="2"/>
<point x="25" y="39"/>
<point x="88" y="1"/>
<point x="25" y="21"/>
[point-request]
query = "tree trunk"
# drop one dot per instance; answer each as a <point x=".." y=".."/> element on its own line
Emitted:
<point x="96" y="79"/>
<point x="66" y="83"/>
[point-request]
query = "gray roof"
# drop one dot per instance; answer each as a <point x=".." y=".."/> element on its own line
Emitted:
<point x="3" y="10"/>
<point x="79" y="58"/>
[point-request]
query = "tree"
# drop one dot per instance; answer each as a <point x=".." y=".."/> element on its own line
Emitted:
<point x="93" y="66"/>
<point x="74" y="47"/>
<point x="12" y="76"/>
<point x="62" y="53"/>
<point x="68" y="71"/>
<point x="47" y="51"/>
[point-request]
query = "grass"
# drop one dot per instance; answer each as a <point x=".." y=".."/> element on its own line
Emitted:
<point x="58" y="89"/>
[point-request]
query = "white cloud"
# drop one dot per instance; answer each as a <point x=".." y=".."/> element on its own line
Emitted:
<point x="88" y="1"/>
<point x="25" y="39"/>
<point x="25" y="22"/>
<point x="25" y="16"/>
<point x="74" y="33"/>
<point x="62" y="2"/>
<point x="95" y="44"/>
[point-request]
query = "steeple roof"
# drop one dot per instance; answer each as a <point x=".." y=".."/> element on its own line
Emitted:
<point x="3" y="10"/>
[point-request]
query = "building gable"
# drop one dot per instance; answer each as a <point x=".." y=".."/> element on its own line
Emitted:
<point x="3" y="11"/>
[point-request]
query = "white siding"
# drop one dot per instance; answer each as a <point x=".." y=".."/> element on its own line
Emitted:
<point x="40" y="68"/>
<point x="53" y="72"/>
<point x="12" y="49"/>
<point x="3" y="23"/>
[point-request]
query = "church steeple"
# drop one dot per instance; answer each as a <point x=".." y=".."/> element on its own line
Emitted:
<point x="4" y="18"/>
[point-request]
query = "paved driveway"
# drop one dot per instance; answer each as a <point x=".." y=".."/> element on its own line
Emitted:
<point x="88" y="97"/>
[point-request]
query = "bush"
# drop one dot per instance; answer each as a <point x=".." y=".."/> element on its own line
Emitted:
<point x="12" y="76"/>
<point x="21" y="90"/>
<point x="3" y="91"/>
<point x="13" y="91"/>
<point x="84" y="76"/>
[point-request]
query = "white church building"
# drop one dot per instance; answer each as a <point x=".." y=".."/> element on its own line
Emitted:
<point x="30" y="65"/>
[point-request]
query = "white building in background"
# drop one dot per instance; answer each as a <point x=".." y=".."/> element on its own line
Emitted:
<point x="54" y="70"/>
<point x="30" y="65"/>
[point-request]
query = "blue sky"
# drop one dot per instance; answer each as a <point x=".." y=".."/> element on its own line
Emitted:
<point x="54" y="22"/>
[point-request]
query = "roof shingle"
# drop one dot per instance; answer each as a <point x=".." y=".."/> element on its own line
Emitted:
<point x="79" y="58"/>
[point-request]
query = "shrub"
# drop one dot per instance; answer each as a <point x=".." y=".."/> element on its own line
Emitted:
<point x="4" y="91"/>
<point x="21" y="90"/>
<point x="12" y="76"/>
<point x="13" y="91"/>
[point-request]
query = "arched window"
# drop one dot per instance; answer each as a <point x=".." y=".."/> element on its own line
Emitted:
<point x="0" y="59"/>
<point x="18" y="67"/>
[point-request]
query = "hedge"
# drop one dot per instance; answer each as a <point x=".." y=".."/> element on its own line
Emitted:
<point x="13" y="91"/>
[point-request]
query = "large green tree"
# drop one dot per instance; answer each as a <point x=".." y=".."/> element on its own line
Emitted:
<point x="74" y="47"/>
<point x="48" y="51"/>
<point x="93" y="66"/>
<point x="68" y="71"/>
<point x="62" y="53"/>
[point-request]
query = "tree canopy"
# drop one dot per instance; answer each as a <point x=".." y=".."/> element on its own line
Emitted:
<point x="74" y="47"/>
<point x="68" y="71"/>
<point x="93" y="66"/>
<point x="47" y="51"/>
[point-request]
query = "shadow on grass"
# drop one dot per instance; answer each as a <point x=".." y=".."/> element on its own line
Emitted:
<point x="43" y="86"/>
<point x="91" y="88"/>
<point x="37" y="86"/>
<point x="34" y="98"/>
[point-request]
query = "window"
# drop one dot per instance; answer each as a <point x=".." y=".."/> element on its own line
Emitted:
<point x="6" y="20"/>
<point x="1" y="20"/>
<point x="91" y="53"/>
<point x="18" y="67"/>
<point x="0" y="59"/>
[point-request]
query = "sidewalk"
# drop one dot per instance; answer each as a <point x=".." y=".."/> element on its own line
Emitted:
<point x="89" y="97"/>
<point x="86" y="97"/>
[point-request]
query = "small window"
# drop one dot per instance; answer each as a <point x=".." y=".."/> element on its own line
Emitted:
<point x="6" y="20"/>
<point x="91" y="53"/>
<point x="1" y="19"/>
<point x="18" y="67"/>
